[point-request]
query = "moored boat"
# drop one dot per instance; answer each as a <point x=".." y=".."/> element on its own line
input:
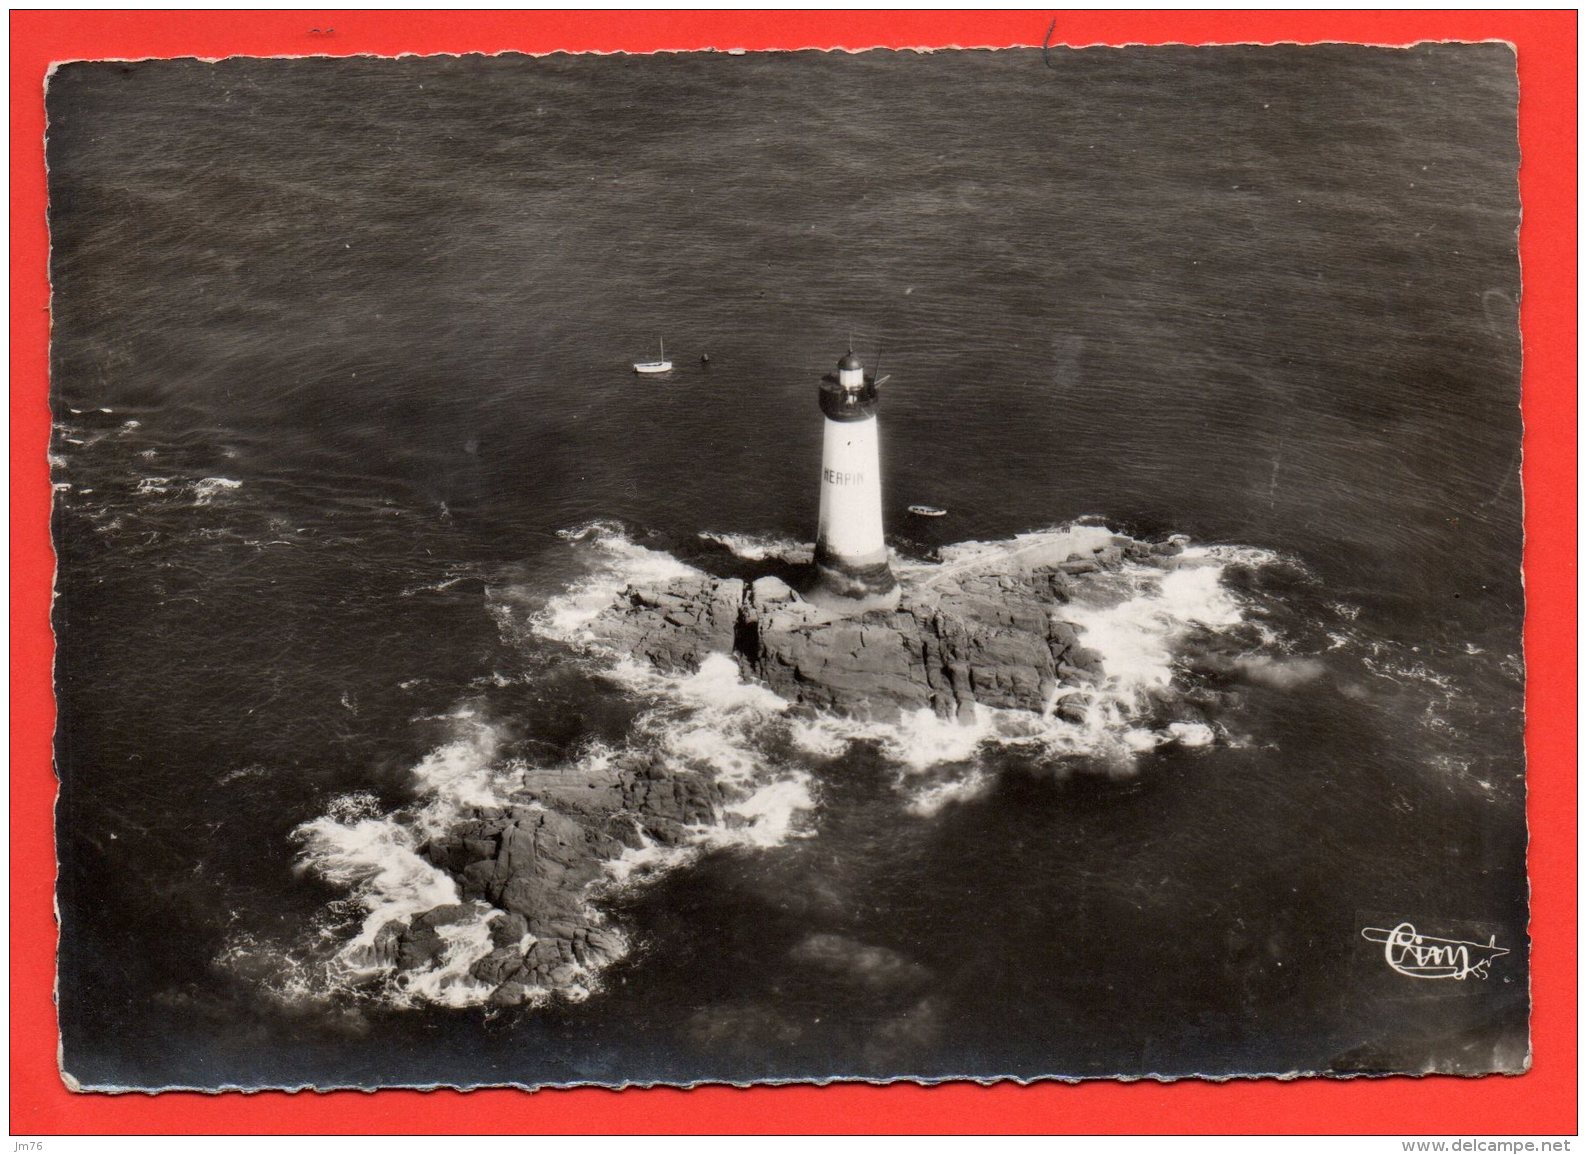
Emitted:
<point x="659" y="365"/>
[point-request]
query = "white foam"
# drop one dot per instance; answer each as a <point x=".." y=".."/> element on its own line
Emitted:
<point x="1024" y="551"/>
<point x="932" y="799"/>
<point x="647" y="861"/>
<point x="1136" y="636"/>
<point x="203" y="491"/>
<point x="726" y="756"/>
<point x="1192" y="733"/>
<point x="715" y="722"/>
<point x="461" y="775"/>
<point x="1138" y="740"/>
<point x="293" y="980"/>
<point x="719" y="685"/>
<point x="207" y="489"/>
<point x="447" y="981"/>
<point x="769" y="816"/>
<point x="818" y="737"/>
<point x="759" y="547"/>
<point x="917" y="741"/>
<point x="376" y="859"/>
<point x="595" y="758"/>
<point x="710" y="720"/>
<point x="616" y="563"/>
<point x="923" y="739"/>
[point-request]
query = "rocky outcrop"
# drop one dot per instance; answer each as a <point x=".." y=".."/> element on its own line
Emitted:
<point x="975" y="628"/>
<point x="686" y="620"/>
<point x="981" y="626"/>
<point x="535" y="862"/>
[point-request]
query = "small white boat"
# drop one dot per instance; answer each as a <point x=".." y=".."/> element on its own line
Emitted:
<point x="659" y="365"/>
<point x="927" y="511"/>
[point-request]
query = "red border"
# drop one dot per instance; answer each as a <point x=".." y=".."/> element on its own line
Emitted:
<point x="1543" y="1101"/>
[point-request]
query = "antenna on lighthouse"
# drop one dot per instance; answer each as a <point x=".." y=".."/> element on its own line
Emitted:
<point x="877" y="378"/>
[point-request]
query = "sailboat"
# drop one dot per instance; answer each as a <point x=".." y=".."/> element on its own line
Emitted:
<point x="659" y="365"/>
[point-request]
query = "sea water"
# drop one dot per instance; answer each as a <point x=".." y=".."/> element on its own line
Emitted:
<point x="348" y="449"/>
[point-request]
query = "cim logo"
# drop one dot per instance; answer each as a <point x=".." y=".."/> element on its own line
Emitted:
<point x="833" y="477"/>
<point x="1423" y="956"/>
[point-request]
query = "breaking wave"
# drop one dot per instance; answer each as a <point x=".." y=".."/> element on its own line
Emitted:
<point x="759" y="547"/>
<point x="376" y="858"/>
<point x="618" y="562"/>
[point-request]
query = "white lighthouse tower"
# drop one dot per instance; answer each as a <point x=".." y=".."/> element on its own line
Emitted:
<point x="852" y="571"/>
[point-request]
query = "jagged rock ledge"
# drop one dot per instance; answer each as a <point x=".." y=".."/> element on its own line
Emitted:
<point x="978" y="627"/>
<point x="537" y="861"/>
<point x="981" y="626"/>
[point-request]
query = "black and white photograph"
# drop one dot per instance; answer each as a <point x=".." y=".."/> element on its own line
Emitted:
<point x="762" y="567"/>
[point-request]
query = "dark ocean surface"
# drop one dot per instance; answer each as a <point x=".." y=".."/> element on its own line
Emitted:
<point x="342" y="391"/>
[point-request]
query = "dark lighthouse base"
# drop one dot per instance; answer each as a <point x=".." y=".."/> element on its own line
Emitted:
<point x="851" y="588"/>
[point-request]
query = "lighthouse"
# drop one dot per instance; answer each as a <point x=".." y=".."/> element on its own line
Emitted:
<point x="852" y="574"/>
